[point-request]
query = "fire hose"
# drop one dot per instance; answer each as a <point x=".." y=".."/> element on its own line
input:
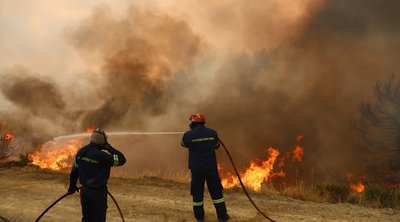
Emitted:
<point x="243" y="187"/>
<point x="67" y="194"/>
<point x="4" y="219"/>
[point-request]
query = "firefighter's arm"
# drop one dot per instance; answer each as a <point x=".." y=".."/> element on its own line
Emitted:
<point x="73" y="179"/>
<point x="114" y="158"/>
<point x="184" y="141"/>
<point x="217" y="142"/>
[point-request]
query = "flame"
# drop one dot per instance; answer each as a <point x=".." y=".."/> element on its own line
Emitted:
<point x="299" y="138"/>
<point x="357" y="187"/>
<point x="297" y="152"/>
<point x="261" y="171"/>
<point x="90" y="129"/>
<point x="257" y="173"/>
<point x="56" y="155"/>
<point x="8" y="137"/>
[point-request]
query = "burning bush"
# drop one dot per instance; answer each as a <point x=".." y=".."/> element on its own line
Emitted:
<point x="5" y="145"/>
<point x="265" y="171"/>
<point x="56" y="155"/>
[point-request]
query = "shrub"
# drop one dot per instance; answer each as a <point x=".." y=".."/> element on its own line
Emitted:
<point x="23" y="161"/>
<point x="334" y="192"/>
<point x="381" y="196"/>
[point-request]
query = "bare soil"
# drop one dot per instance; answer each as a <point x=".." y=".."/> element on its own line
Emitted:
<point x="26" y="192"/>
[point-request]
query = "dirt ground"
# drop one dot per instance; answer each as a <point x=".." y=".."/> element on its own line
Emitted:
<point x="26" y="192"/>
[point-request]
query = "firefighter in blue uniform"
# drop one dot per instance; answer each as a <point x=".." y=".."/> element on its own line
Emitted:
<point x="92" y="167"/>
<point x="202" y="143"/>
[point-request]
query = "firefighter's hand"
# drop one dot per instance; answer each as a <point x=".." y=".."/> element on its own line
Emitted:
<point x="107" y="146"/>
<point x="72" y="189"/>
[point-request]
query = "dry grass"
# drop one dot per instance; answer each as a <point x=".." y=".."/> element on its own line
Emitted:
<point x="374" y="195"/>
<point x="153" y="199"/>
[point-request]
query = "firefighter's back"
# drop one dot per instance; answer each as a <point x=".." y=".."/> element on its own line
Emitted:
<point x="201" y="142"/>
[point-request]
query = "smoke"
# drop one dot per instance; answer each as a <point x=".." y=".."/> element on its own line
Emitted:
<point x="309" y="86"/>
<point x="262" y="72"/>
<point x="138" y="54"/>
<point x="31" y="93"/>
<point x="35" y="105"/>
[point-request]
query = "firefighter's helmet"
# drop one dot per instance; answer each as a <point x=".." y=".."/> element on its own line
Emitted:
<point x="197" y="118"/>
<point x="99" y="136"/>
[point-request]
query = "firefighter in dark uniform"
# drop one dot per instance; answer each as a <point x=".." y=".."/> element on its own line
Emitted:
<point x="92" y="167"/>
<point x="202" y="143"/>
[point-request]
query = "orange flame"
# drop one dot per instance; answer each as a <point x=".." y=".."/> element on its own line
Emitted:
<point x="56" y="155"/>
<point x="90" y="129"/>
<point x="260" y="171"/>
<point x="298" y="150"/>
<point x="256" y="173"/>
<point x="9" y="137"/>
<point x="299" y="138"/>
<point x="297" y="153"/>
<point x="357" y="187"/>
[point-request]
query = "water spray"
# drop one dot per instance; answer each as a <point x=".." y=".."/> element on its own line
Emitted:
<point x="117" y="134"/>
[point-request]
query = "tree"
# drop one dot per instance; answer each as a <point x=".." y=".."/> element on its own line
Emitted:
<point x="4" y="148"/>
<point x="379" y="127"/>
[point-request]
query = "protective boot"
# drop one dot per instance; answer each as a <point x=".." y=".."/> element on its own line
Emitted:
<point x="223" y="219"/>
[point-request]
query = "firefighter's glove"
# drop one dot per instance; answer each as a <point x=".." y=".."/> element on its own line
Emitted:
<point x="107" y="147"/>
<point x="72" y="189"/>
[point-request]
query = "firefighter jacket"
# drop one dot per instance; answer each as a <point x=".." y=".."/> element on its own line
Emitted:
<point x="202" y="143"/>
<point x="92" y="166"/>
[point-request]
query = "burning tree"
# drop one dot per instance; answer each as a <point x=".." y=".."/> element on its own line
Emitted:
<point x="5" y="142"/>
<point x="380" y="128"/>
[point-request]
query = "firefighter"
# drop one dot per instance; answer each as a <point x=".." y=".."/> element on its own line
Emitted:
<point x="202" y="142"/>
<point x="92" y="167"/>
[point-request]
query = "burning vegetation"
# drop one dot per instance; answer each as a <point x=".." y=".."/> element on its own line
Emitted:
<point x="357" y="187"/>
<point x="152" y="67"/>
<point x="56" y="155"/>
<point x="274" y="172"/>
<point x="5" y="145"/>
<point x="260" y="172"/>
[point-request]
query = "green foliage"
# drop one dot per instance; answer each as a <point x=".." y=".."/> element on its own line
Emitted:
<point x="373" y="196"/>
<point x="382" y="196"/>
<point x="333" y="192"/>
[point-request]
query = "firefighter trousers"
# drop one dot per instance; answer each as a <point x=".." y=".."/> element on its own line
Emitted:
<point x="215" y="189"/>
<point x="94" y="204"/>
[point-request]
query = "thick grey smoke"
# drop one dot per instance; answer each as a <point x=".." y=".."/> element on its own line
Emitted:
<point x="30" y="93"/>
<point x="36" y="104"/>
<point x="138" y="53"/>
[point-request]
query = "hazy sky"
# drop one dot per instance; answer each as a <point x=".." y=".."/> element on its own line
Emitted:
<point x="33" y="32"/>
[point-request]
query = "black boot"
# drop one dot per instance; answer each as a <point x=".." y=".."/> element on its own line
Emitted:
<point x="223" y="219"/>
